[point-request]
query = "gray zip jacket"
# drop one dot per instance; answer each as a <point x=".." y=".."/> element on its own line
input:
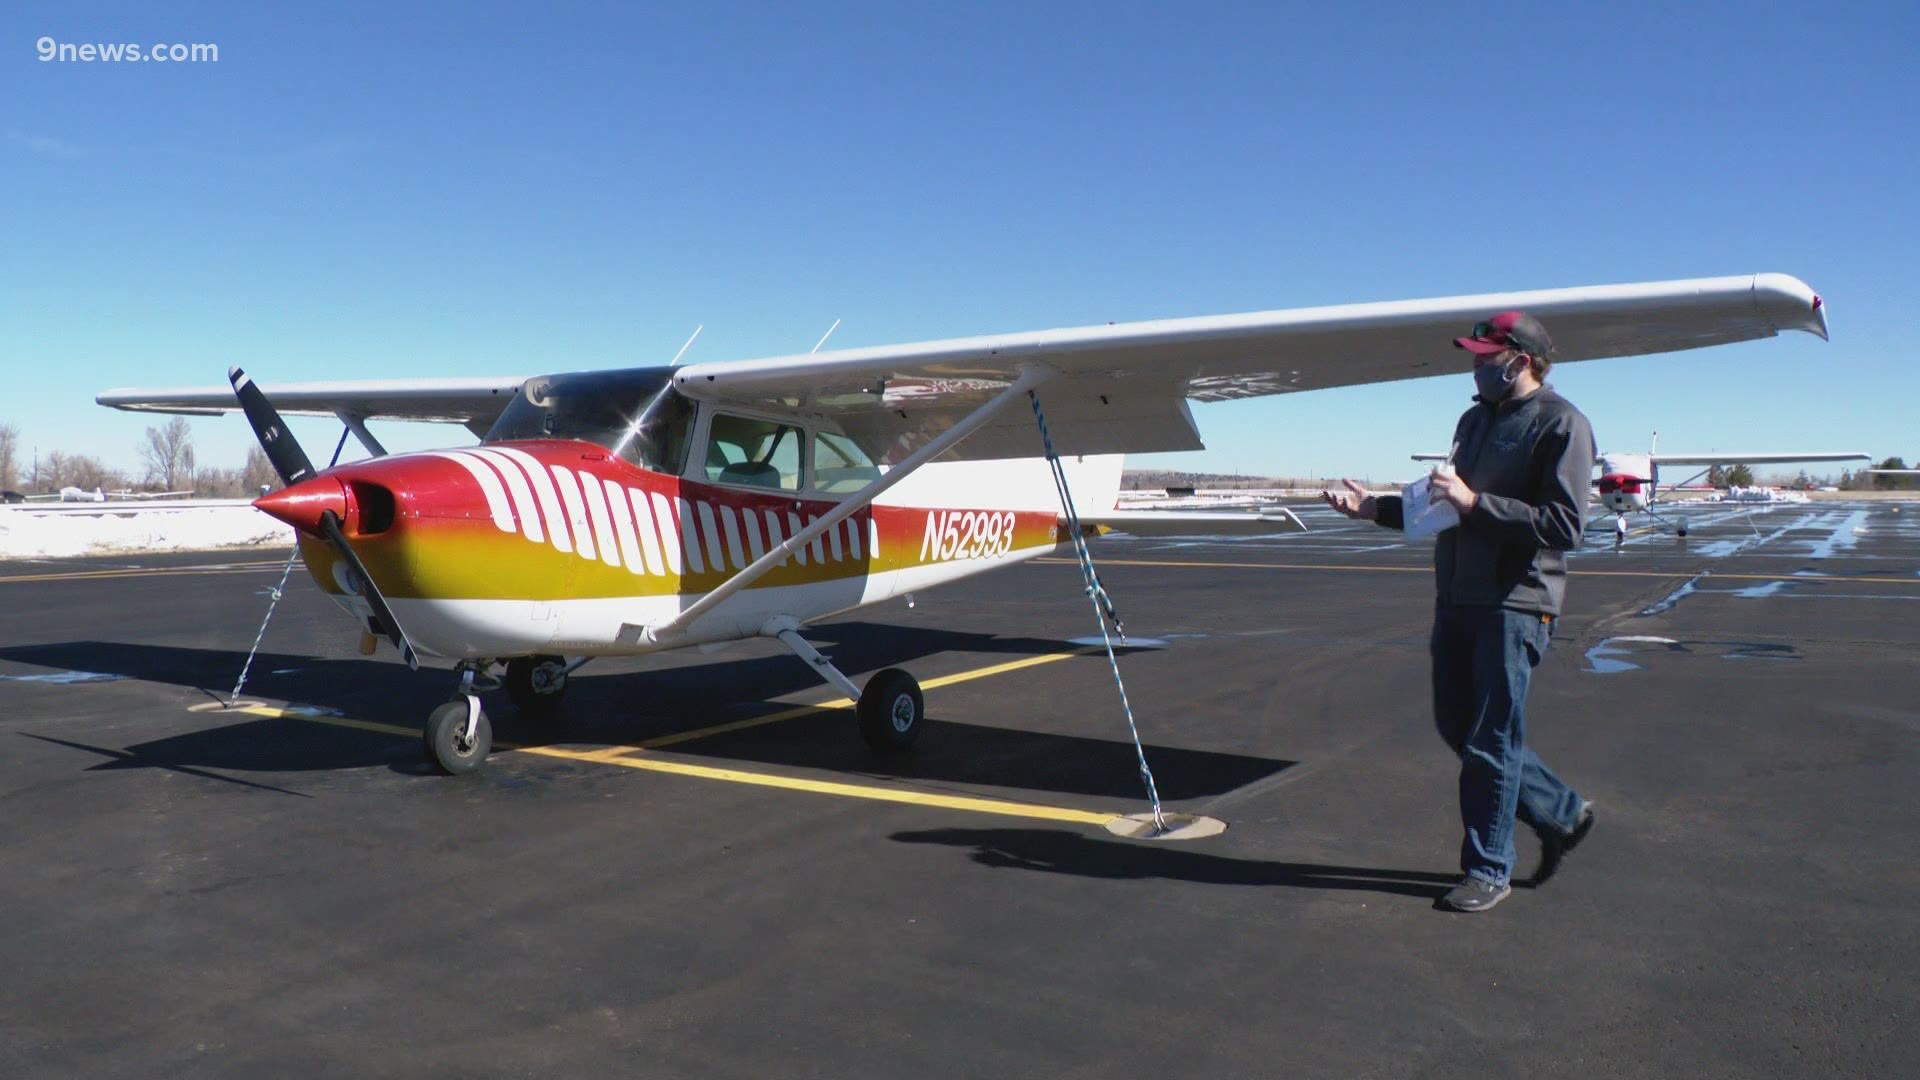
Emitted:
<point x="1531" y="463"/>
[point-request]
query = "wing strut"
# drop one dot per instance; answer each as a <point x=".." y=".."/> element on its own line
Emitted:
<point x="358" y="425"/>
<point x="1031" y="376"/>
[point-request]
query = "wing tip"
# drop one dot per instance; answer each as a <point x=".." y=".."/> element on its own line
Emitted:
<point x="1791" y="303"/>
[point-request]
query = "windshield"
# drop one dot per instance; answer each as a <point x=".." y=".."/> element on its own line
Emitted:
<point x="635" y="413"/>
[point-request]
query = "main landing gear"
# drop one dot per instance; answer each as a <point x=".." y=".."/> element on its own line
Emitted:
<point x="535" y="684"/>
<point x="891" y="710"/>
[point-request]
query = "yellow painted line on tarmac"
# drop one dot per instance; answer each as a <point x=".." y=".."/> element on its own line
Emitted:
<point x="847" y="703"/>
<point x="635" y="758"/>
<point x="1190" y="565"/>
<point x="156" y="571"/>
<point x="641" y="756"/>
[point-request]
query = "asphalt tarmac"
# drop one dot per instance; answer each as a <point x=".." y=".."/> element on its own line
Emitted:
<point x="692" y="872"/>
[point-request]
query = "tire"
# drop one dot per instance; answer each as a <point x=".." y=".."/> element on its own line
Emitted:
<point x="535" y="684"/>
<point x="446" y="746"/>
<point x="892" y="712"/>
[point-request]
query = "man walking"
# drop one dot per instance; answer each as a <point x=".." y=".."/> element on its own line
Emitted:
<point x="1519" y="479"/>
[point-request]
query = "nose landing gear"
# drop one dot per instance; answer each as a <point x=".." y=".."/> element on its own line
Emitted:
<point x="458" y="735"/>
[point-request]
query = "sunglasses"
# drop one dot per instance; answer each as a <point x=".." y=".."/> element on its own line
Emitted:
<point x="1486" y="331"/>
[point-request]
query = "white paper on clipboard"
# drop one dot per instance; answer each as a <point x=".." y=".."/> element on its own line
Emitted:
<point x="1420" y="514"/>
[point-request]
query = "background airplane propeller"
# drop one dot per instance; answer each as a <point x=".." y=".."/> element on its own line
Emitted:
<point x="293" y="465"/>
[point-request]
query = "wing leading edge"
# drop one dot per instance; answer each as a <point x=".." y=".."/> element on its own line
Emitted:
<point x="474" y="402"/>
<point x="1768" y="458"/>
<point x="1124" y="388"/>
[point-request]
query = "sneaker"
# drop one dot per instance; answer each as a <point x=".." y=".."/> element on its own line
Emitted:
<point x="1473" y="894"/>
<point x="1554" y="846"/>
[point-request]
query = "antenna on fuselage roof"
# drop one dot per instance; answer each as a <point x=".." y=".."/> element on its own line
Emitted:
<point x="1654" y="446"/>
<point x="688" y="345"/>
<point x="824" y="337"/>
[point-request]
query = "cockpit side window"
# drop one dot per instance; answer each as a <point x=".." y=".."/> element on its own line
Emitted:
<point x="839" y="465"/>
<point x="753" y="452"/>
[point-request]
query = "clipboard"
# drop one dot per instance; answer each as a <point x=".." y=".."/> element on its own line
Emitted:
<point x="1420" y="514"/>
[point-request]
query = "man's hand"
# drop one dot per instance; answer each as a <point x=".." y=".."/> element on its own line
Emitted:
<point x="1448" y="486"/>
<point x="1355" y="502"/>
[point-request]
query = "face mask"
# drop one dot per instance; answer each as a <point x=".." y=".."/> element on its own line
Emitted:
<point x="1495" y="383"/>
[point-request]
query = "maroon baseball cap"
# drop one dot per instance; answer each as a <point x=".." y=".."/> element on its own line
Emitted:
<point x="1507" y="330"/>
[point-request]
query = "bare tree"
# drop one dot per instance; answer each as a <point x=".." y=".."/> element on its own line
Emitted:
<point x="168" y="454"/>
<point x="53" y="470"/>
<point x="9" y="457"/>
<point x="58" y="470"/>
<point x="258" y="473"/>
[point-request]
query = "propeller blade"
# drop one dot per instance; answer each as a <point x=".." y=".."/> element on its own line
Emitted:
<point x="281" y="448"/>
<point x="330" y="527"/>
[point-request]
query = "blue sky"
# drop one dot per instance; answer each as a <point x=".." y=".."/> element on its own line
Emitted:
<point x="440" y="189"/>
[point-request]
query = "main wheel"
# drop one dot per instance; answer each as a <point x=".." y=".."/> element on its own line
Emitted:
<point x="535" y="684"/>
<point x="447" y="742"/>
<point x="891" y="711"/>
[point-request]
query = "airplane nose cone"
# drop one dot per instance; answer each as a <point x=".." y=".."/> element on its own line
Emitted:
<point x="302" y="504"/>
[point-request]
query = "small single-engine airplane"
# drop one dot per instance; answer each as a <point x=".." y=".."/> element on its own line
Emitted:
<point x="70" y="493"/>
<point x="79" y="494"/>
<point x="625" y="512"/>
<point x="1630" y="482"/>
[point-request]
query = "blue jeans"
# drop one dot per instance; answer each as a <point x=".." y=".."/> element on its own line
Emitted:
<point x="1483" y="658"/>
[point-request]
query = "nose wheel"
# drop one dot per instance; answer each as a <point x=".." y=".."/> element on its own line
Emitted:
<point x="458" y="735"/>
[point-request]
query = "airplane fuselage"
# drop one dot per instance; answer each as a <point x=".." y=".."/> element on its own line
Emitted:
<point x="558" y="546"/>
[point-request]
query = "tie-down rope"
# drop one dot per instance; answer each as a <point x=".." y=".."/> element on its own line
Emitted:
<point x="1103" y="610"/>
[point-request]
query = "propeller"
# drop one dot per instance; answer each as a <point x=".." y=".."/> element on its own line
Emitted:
<point x="294" y="467"/>
<point x="279" y="444"/>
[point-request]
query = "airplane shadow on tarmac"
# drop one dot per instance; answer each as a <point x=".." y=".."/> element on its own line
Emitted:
<point x="1063" y="852"/>
<point x="625" y="708"/>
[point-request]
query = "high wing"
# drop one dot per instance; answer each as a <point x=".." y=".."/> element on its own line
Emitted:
<point x="1116" y="388"/>
<point x="1124" y="388"/>
<point x="1773" y="458"/>
<point x="473" y="402"/>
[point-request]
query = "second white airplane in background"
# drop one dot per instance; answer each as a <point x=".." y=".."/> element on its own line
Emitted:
<point x="1629" y="482"/>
